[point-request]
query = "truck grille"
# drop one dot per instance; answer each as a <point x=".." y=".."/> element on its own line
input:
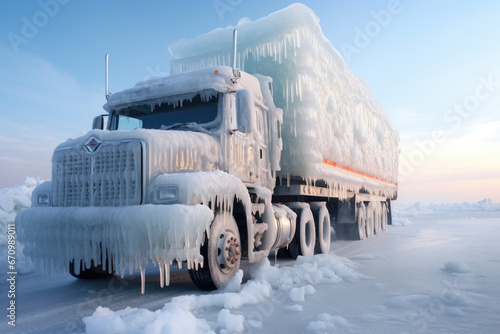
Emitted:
<point x="109" y="176"/>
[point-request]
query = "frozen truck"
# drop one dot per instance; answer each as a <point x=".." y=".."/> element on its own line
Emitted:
<point x="216" y="163"/>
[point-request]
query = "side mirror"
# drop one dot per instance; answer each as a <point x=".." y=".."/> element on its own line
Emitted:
<point x="245" y="113"/>
<point x="98" y="122"/>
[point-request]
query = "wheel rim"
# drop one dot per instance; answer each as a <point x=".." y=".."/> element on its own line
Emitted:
<point x="228" y="251"/>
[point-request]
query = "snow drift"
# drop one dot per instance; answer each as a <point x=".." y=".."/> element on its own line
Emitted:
<point x="179" y="315"/>
<point x="13" y="200"/>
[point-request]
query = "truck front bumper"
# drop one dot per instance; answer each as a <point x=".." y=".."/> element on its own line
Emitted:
<point x="130" y="236"/>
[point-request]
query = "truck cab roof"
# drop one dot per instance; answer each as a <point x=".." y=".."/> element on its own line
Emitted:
<point x="183" y="86"/>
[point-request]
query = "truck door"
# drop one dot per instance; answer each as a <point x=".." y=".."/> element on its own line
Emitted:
<point x="261" y="149"/>
<point x="242" y="157"/>
<point x="241" y="140"/>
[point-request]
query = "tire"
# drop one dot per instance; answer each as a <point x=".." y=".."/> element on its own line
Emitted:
<point x="94" y="272"/>
<point x="369" y="221"/>
<point x="322" y="227"/>
<point x="304" y="241"/>
<point x="221" y="254"/>
<point x="377" y="218"/>
<point x="358" y="229"/>
<point x="383" y="217"/>
<point x="389" y="212"/>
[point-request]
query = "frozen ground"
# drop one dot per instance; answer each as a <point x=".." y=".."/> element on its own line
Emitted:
<point x="435" y="271"/>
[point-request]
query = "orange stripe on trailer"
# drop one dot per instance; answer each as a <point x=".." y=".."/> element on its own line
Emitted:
<point x="355" y="171"/>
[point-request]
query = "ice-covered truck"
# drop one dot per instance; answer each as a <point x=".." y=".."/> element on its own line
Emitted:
<point x="212" y="165"/>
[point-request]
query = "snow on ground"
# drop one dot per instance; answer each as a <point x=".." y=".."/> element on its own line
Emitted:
<point x="292" y="283"/>
<point x="419" y="208"/>
<point x="434" y="271"/>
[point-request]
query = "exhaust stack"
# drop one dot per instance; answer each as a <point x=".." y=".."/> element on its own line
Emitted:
<point x="106" y="79"/>
<point x="235" y="40"/>
<point x="236" y="71"/>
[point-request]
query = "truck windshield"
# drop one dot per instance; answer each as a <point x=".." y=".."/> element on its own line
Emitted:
<point x="166" y="115"/>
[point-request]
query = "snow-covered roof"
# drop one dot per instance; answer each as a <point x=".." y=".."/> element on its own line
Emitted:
<point x="252" y="33"/>
<point x="328" y="111"/>
<point x="185" y="85"/>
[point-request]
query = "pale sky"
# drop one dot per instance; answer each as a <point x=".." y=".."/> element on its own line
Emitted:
<point x="434" y="66"/>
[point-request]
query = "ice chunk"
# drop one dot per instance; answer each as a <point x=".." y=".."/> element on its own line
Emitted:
<point x="297" y="294"/>
<point x="456" y="267"/>
<point x="231" y="322"/>
<point x="327" y="323"/>
<point x="294" y="308"/>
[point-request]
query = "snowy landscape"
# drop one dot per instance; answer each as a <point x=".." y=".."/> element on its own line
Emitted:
<point x="285" y="176"/>
<point x="435" y="270"/>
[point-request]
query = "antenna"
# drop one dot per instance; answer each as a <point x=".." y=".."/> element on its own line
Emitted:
<point x="106" y="81"/>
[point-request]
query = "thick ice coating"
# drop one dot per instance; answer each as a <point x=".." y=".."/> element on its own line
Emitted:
<point x="131" y="234"/>
<point x="177" y="88"/>
<point x="330" y="117"/>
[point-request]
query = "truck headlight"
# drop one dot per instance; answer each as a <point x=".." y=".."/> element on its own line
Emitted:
<point x="170" y="194"/>
<point x="41" y="199"/>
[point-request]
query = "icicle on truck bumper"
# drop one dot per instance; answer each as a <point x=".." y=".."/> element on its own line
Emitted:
<point x="130" y="236"/>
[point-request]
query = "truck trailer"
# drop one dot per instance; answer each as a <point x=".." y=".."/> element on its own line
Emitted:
<point x="218" y="163"/>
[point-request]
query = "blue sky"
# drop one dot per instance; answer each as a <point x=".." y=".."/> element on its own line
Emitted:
<point x="433" y="65"/>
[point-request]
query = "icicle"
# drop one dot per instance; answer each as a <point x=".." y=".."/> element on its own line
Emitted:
<point x="143" y="280"/>
<point x="161" y="266"/>
<point x="167" y="274"/>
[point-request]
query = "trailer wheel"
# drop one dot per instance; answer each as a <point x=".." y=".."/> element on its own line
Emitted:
<point x="383" y="217"/>
<point x="370" y="215"/>
<point x="377" y="217"/>
<point x="322" y="226"/>
<point x="358" y="229"/>
<point x="221" y="254"/>
<point x="94" y="272"/>
<point x="305" y="234"/>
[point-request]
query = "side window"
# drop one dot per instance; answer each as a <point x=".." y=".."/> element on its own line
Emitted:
<point x="232" y="108"/>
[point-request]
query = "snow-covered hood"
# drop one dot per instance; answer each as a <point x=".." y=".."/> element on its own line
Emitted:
<point x="166" y="151"/>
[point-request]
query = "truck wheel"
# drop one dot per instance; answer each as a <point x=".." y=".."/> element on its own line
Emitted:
<point x="377" y="218"/>
<point x="358" y="229"/>
<point x="93" y="272"/>
<point x="305" y="235"/>
<point x="322" y="227"/>
<point x="384" y="217"/>
<point x="369" y="221"/>
<point x="221" y="254"/>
